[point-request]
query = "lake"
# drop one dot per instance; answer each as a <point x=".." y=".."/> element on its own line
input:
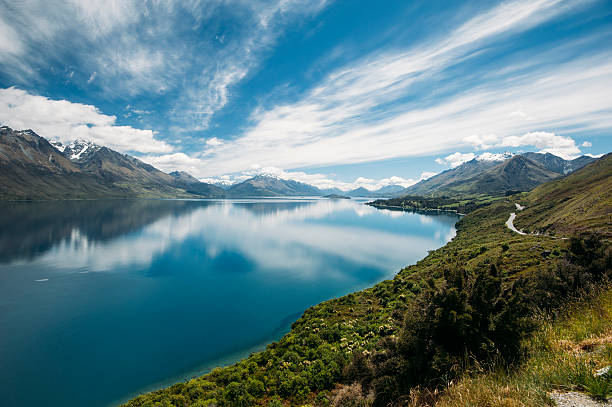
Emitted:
<point x="101" y="300"/>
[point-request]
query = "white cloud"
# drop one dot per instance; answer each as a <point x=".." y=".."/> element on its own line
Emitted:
<point x="456" y="159"/>
<point x="65" y="121"/>
<point x="174" y="162"/>
<point x="544" y="141"/>
<point x="341" y="120"/>
<point x="214" y="142"/>
<point x="482" y="141"/>
<point x="587" y="144"/>
<point x="184" y="163"/>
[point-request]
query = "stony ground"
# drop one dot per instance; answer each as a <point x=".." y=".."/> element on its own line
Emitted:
<point x="574" y="399"/>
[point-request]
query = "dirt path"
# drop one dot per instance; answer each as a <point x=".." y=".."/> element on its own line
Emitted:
<point x="573" y="399"/>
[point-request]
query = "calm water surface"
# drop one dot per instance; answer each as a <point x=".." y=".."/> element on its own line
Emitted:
<point x="100" y="300"/>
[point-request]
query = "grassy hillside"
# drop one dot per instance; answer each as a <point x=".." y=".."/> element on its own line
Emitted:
<point x="470" y="303"/>
<point x="579" y="202"/>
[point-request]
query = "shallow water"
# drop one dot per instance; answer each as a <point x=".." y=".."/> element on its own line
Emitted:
<point x="101" y="300"/>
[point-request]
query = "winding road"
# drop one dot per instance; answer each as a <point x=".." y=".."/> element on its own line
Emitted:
<point x="510" y="224"/>
<point x="510" y="221"/>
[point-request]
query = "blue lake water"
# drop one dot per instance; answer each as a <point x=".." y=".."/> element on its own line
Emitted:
<point x="101" y="300"/>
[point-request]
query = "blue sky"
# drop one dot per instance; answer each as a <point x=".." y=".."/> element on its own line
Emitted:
<point x="334" y="93"/>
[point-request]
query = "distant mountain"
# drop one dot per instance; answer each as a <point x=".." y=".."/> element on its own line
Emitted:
<point x="33" y="168"/>
<point x="223" y="185"/>
<point x="359" y="192"/>
<point x="193" y="185"/>
<point x="264" y="185"/>
<point x="496" y="174"/>
<point x="332" y="191"/>
<point x="557" y="164"/>
<point x="184" y="177"/>
<point x="389" y="189"/>
<point x="467" y="170"/>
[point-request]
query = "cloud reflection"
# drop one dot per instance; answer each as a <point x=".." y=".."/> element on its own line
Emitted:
<point x="274" y="237"/>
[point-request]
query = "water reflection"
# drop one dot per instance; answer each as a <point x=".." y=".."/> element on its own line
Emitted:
<point x="103" y="299"/>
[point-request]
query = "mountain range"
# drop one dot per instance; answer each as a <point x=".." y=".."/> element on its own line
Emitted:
<point x="31" y="167"/>
<point x="498" y="175"/>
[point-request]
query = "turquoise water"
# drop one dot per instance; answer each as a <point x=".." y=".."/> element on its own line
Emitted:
<point x="101" y="300"/>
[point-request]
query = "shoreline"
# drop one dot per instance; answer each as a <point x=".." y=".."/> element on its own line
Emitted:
<point x="415" y="210"/>
<point x="285" y="329"/>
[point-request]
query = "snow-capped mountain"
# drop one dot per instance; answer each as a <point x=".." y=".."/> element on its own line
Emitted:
<point x="77" y="150"/>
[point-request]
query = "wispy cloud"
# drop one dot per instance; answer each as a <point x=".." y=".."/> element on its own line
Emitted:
<point x="65" y="121"/>
<point x="133" y="48"/>
<point x="361" y="112"/>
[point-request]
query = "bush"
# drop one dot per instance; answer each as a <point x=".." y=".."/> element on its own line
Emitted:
<point x="350" y="396"/>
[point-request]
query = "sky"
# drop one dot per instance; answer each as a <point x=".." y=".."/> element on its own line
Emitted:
<point x="332" y="93"/>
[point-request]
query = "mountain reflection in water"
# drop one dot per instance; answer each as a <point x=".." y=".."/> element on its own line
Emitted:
<point x="103" y="299"/>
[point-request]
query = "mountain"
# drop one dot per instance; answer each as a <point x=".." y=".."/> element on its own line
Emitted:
<point x="193" y="185"/>
<point x="33" y="168"/>
<point x="223" y="185"/>
<point x="558" y="164"/>
<point x="359" y="192"/>
<point x="516" y="174"/>
<point x="184" y="177"/>
<point x="332" y="191"/>
<point x="265" y="185"/>
<point x="462" y="172"/>
<point x="389" y="189"/>
<point x="496" y="174"/>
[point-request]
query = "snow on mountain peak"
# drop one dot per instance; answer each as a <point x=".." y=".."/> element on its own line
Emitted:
<point x="79" y="147"/>
<point x="494" y="157"/>
<point x="58" y="145"/>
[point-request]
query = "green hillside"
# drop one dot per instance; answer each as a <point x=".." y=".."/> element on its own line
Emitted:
<point x="579" y="202"/>
<point x="471" y="304"/>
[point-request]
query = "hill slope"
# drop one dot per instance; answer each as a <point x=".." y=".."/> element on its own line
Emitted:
<point x="580" y="202"/>
<point x="476" y="295"/>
